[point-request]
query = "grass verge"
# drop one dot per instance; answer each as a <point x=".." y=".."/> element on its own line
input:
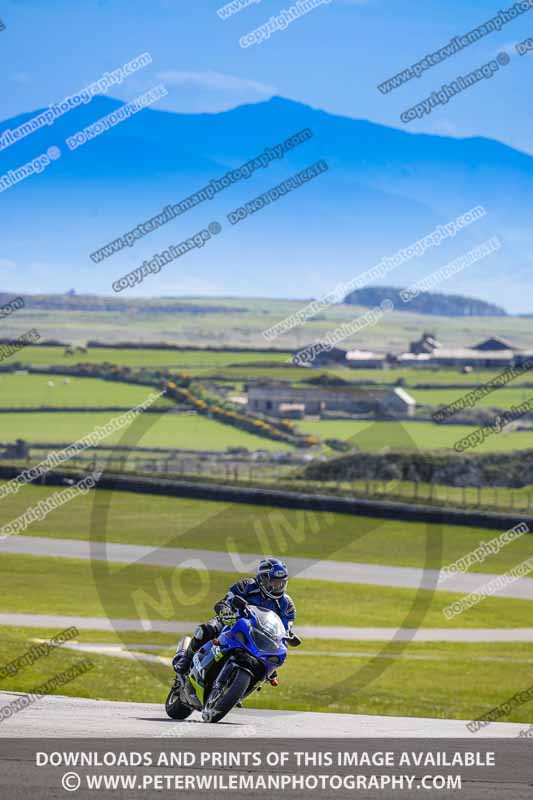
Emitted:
<point x="31" y="584"/>
<point x="211" y="525"/>
<point x="455" y="684"/>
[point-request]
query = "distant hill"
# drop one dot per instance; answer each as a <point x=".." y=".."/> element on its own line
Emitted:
<point x="378" y="195"/>
<point x="442" y="305"/>
<point x="87" y="302"/>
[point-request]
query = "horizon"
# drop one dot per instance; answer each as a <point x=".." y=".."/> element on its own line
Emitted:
<point x="190" y="297"/>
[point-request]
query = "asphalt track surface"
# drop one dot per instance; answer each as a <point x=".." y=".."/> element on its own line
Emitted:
<point x="306" y="631"/>
<point x="66" y="717"/>
<point x="211" y="560"/>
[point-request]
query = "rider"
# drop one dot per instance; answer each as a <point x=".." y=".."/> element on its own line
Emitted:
<point x="267" y="590"/>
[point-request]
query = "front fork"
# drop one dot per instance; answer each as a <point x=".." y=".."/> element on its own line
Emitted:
<point x="255" y="686"/>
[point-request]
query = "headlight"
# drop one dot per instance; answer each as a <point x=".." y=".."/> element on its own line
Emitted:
<point x="241" y="637"/>
<point x="275" y="659"/>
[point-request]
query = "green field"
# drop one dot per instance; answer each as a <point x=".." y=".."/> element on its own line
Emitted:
<point x="241" y="321"/>
<point x="179" y="431"/>
<point x="415" y="682"/>
<point x="470" y="497"/>
<point x="233" y="366"/>
<point x="417" y="376"/>
<point x="244" y="373"/>
<point x="371" y="436"/>
<point x="76" y="587"/>
<point x="182" y="359"/>
<point x="502" y="398"/>
<point x="59" y="390"/>
<point x="176" y="522"/>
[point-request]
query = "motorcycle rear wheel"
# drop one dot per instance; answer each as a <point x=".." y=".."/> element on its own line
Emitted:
<point x="175" y="708"/>
<point x="228" y="698"/>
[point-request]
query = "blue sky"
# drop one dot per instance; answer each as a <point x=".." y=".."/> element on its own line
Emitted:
<point x="332" y="58"/>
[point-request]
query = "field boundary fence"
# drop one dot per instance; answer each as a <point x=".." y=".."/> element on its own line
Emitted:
<point x="285" y="495"/>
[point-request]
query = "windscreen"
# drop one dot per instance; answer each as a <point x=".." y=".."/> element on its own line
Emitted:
<point x="269" y="632"/>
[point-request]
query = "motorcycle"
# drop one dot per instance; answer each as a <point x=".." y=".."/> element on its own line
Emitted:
<point x="228" y="669"/>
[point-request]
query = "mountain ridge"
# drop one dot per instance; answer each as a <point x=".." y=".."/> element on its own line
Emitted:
<point x="385" y="188"/>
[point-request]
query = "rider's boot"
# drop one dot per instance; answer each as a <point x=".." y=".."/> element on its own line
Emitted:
<point x="182" y="661"/>
<point x="183" y="658"/>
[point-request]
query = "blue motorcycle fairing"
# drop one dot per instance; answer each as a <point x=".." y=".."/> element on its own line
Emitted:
<point x="251" y="635"/>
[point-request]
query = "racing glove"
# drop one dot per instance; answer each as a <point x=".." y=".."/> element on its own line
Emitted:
<point x="227" y="615"/>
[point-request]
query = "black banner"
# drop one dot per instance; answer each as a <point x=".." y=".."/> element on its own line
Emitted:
<point x="266" y="768"/>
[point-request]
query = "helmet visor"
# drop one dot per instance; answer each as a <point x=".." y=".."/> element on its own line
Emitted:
<point x="276" y="586"/>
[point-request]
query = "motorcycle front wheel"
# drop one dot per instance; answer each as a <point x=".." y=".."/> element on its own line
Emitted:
<point x="220" y="703"/>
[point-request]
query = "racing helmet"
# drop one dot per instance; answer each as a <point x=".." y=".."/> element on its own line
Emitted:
<point x="272" y="576"/>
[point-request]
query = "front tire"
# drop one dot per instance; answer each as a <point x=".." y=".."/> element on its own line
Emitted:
<point x="222" y="703"/>
<point x="174" y="707"/>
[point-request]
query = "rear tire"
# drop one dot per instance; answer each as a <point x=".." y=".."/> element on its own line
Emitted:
<point x="175" y="708"/>
<point x="230" y="696"/>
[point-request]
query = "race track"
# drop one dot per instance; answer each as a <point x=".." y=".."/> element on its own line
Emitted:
<point x="66" y="717"/>
<point x="223" y="561"/>
<point x="338" y="632"/>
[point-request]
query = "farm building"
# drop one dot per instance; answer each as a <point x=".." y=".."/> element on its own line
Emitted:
<point x="280" y="400"/>
<point x="357" y="359"/>
<point x="427" y="351"/>
<point x="331" y="357"/>
<point x="366" y="359"/>
<point x="458" y="357"/>
<point x="491" y="352"/>
<point x="426" y="344"/>
<point x="494" y="343"/>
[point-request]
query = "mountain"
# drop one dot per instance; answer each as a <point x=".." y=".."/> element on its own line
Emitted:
<point x="385" y="189"/>
<point x="442" y="305"/>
